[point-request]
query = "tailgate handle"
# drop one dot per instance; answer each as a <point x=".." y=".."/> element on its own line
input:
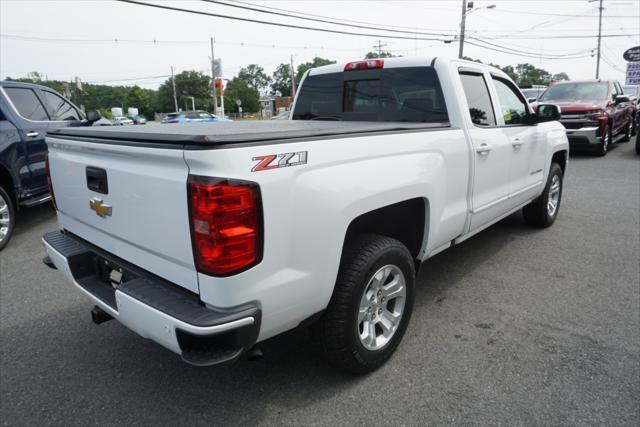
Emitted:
<point x="97" y="180"/>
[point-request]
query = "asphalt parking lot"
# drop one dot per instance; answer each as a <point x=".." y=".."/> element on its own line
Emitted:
<point x="516" y="326"/>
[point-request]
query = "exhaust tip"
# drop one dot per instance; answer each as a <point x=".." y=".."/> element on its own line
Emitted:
<point x="254" y="354"/>
<point x="99" y="316"/>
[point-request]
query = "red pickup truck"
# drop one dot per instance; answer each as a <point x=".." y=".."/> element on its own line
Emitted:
<point x="596" y="113"/>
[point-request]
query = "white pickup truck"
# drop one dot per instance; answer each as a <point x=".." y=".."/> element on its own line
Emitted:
<point x="209" y="238"/>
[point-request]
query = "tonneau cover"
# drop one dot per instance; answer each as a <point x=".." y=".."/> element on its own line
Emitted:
<point x="236" y="132"/>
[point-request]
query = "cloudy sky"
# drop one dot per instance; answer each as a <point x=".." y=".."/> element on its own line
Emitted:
<point x="119" y="43"/>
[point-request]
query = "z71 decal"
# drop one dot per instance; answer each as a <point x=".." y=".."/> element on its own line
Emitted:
<point x="275" y="161"/>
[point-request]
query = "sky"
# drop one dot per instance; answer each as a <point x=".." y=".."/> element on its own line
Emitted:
<point x="115" y="43"/>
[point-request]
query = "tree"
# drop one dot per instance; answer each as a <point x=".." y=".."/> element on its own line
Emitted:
<point x="382" y="54"/>
<point x="188" y="83"/>
<point x="508" y="70"/>
<point x="238" y="88"/>
<point x="560" y="76"/>
<point x="140" y="99"/>
<point x="528" y="74"/>
<point x="316" y="62"/>
<point x="255" y="77"/>
<point x="281" y="80"/>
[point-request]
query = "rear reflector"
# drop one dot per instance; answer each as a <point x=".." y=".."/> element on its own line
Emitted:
<point x="48" y="172"/>
<point x="364" y="65"/>
<point x="226" y="222"/>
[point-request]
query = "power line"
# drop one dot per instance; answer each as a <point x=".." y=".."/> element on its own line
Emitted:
<point x="276" y="24"/>
<point x="561" y="14"/>
<point x="326" y="21"/>
<point x="510" y="52"/>
<point x="537" y="55"/>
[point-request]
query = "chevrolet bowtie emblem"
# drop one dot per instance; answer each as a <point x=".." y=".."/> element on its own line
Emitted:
<point x="101" y="209"/>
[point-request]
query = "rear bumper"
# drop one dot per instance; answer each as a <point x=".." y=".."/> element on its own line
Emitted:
<point x="152" y="307"/>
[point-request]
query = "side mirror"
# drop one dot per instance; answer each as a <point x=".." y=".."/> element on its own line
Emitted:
<point x="93" y="116"/>
<point x="545" y="113"/>
<point x="530" y="100"/>
<point x="622" y="98"/>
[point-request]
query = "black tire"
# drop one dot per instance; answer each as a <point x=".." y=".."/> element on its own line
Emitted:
<point x="638" y="143"/>
<point x="537" y="213"/>
<point x="627" y="133"/>
<point x="338" y="330"/>
<point x="605" y="142"/>
<point x="7" y="218"/>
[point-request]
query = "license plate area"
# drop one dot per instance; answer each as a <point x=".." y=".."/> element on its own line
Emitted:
<point x="100" y="276"/>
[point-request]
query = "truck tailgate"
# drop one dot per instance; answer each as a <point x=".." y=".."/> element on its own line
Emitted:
<point x="137" y="208"/>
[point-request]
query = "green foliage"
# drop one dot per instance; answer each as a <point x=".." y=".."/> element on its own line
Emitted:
<point x="238" y="88"/>
<point x="527" y="74"/>
<point x="281" y="80"/>
<point x="140" y="99"/>
<point x="255" y="77"/>
<point x="560" y="76"/>
<point x="188" y="83"/>
<point x="316" y="62"/>
<point x="382" y="54"/>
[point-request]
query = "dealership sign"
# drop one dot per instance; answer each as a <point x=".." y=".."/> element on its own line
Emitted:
<point x="633" y="73"/>
<point x="632" y="55"/>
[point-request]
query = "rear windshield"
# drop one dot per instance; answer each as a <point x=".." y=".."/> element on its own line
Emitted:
<point x="576" y="92"/>
<point x="411" y="94"/>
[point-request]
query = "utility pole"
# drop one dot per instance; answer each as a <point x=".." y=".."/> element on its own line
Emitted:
<point x="599" y="40"/>
<point x="293" y="80"/>
<point x="379" y="46"/>
<point x="213" y="78"/>
<point x="173" y="83"/>
<point x="462" y="22"/>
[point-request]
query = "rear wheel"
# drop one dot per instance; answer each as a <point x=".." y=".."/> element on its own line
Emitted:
<point x="7" y="218"/>
<point x="371" y="305"/>
<point x="542" y="212"/>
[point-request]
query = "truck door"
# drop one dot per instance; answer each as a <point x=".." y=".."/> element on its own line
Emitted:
<point x="33" y="121"/>
<point x="528" y="148"/>
<point x="491" y="152"/>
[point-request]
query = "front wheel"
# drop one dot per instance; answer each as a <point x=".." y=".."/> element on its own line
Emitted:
<point x="7" y="218"/>
<point x="627" y="133"/>
<point x="542" y="212"/>
<point x="371" y="304"/>
<point x="605" y="140"/>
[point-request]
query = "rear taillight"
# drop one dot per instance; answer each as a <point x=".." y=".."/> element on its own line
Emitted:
<point x="364" y="65"/>
<point x="48" y="171"/>
<point x="226" y="224"/>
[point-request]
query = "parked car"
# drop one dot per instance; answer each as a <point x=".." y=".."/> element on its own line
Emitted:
<point x="595" y="113"/>
<point x="318" y="221"/>
<point x="138" y="119"/>
<point x="122" y="121"/>
<point x="634" y="97"/>
<point x="192" y="117"/>
<point x="27" y="112"/>
<point x="532" y="93"/>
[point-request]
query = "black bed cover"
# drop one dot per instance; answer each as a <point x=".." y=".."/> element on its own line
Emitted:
<point x="214" y="133"/>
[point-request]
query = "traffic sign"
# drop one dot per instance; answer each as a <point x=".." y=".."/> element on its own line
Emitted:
<point x="217" y="67"/>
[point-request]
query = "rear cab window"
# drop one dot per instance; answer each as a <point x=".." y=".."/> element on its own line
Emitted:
<point x="407" y="94"/>
<point x="477" y="93"/>
<point x="27" y="103"/>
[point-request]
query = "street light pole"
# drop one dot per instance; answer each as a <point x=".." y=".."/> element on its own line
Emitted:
<point x="599" y="40"/>
<point x="213" y="78"/>
<point x="173" y="84"/>
<point x="462" y="23"/>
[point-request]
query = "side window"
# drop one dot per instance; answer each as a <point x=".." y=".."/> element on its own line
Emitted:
<point x="60" y="109"/>
<point x="618" y="88"/>
<point x="513" y="108"/>
<point x="477" y="93"/>
<point x="615" y="92"/>
<point x="27" y="103"/>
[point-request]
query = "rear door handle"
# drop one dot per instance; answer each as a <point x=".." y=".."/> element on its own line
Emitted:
<point x="483" y="149"/>
<point x="32" y="134"/>
<point x="516" y="143"/>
